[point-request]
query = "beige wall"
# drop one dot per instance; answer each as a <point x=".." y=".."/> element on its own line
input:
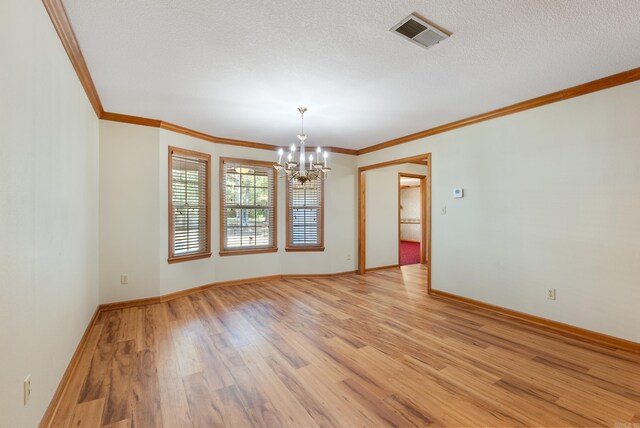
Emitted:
<point x="133" y="218"/>
<point x="129" y="211"/>
<point x="551" y="201"/>
<point x="48" y="211"/>
<point x="382" y="213"/>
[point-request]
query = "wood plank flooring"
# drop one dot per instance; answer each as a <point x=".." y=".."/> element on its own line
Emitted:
<point x="372" y="350"/>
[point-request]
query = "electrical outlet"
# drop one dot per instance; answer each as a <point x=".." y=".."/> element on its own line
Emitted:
<point x="348" y="257"/>
<point x="124" y="279"/>
<point x="443" y="210"/>
<point x="27" y="389"/>
<point x="551" y="294"/>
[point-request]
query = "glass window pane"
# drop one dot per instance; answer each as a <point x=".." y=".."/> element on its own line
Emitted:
<point x="233" y="195"/>
<point x="262" y="216"/>
<point x="247" y="180"/>
<point x="262" y="181"/>
<point x="248" y="196"/>
<point x="233" y="217"/>
<point x="248" y="236"/>
<point x="262" y="236"/>
<point x="234" y="237"/>
<point x="251" y="216"/>
<point x="262" y="196"/>
<point x="233" y="179"/>
<point x="247" y="217"/>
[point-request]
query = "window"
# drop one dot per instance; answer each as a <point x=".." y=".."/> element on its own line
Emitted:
<point x="305" y="215"/>
<point x="189" y="205"/>
<point x="248" y="214"/>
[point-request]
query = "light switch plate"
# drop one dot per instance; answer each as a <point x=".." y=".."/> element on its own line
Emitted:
<point x="27" y="389"/>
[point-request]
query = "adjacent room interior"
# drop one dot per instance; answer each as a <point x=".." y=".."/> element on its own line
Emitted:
<point x="301" y="214"/>
<point x="412" y="207"/>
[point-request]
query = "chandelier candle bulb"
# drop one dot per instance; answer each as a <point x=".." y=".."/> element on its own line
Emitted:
<point x="325" y="155"/>
<point x="280" y="152"/>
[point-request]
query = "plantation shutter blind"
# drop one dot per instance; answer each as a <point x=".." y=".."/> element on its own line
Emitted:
<point x="304" y="213"/>
<point x="189" y="210"/>
<point x="248" y="216"/>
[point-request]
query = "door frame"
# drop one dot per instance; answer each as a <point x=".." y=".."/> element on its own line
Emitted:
<point x="423" y="214"/>
<point x="362" y="207"/>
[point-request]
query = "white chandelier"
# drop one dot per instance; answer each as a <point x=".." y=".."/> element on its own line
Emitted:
<point x="304" y="170"/>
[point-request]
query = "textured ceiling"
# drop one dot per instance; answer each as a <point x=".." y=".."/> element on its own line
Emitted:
<point x="238" y="69"/>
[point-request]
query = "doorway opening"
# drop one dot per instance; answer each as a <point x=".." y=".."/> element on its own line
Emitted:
<point x="365" y="223"/>
<point x="412" y="208"/>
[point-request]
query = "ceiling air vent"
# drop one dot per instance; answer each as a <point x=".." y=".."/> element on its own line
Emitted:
<point x="418" y="31"/>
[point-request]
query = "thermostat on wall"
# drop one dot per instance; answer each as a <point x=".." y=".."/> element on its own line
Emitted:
<point x="458" y="193"/>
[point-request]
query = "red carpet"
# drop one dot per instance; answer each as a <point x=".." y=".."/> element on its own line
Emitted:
<point x="409" y="253"/>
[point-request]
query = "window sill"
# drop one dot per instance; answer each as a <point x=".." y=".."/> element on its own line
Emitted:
<point x="304" y="249"/>
<point x="189" y="257"/>
<point x="247" y="251"/>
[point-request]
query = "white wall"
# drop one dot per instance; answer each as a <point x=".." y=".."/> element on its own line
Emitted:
<point x="48" y="210"/>
<point x="551" y="200"/>
<point x="133" y="176"/>
<point x="382" y="213"/>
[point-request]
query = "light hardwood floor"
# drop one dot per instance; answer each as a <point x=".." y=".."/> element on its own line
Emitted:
<point x="372" y="350"/>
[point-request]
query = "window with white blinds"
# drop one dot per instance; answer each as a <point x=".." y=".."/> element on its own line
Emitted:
<point x="189" y="205"/>
<point x="248" y="207"/>
<point x="305" y="225"/>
